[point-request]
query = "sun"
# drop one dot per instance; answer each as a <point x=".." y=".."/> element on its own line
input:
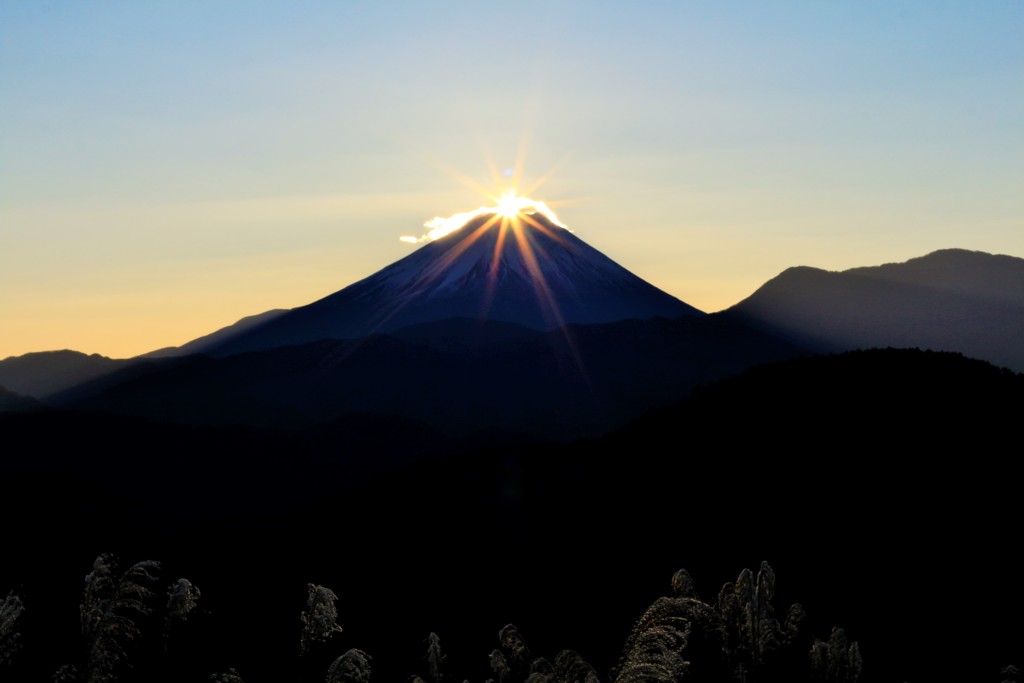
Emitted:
<point x="509" y="204"/>
<point x="510" y="208"/>
<point x="517" y="222"/>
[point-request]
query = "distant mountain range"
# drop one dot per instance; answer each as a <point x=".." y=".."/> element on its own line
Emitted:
<point x="45" y="373"/>
<point x="950" y="300"/>
<point x="460" y="375"/>
<point x="532" y="332"/>
<point x="512" y="324"/>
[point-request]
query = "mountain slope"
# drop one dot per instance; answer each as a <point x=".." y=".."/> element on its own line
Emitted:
<point x="950" y="300"/>
<point x="461" y="376"/>
<point x="200" y="344"/>
<point x="12" y="402"/>
<point x="45" y="373"/>
<point x="531" y="273"/>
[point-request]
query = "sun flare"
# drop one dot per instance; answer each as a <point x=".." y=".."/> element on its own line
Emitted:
<point x="508" y="207"/>
<point x="520" y="227"/>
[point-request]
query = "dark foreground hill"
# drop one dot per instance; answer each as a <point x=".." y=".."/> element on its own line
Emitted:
<point x="830" y="468"/>
<point x="460" y="376"/>
<point x="950" y="300"/>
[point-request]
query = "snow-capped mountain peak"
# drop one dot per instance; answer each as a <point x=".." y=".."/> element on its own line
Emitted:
<point x="524" y="268"/>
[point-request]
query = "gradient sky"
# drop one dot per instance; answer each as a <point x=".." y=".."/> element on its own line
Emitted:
<point x="167" y="168"/>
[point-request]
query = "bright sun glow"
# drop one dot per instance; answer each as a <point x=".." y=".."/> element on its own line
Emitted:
<point x="509" y="206"/>
<point x="515" y="221"/>
<point x="522" y="228"/>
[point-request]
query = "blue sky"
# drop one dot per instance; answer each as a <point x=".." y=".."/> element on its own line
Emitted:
<point x="166" y="168"/>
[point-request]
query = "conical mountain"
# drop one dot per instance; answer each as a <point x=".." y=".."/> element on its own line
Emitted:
<point x="525" y="270"/>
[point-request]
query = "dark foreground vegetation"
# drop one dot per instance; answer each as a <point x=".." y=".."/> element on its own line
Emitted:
<point x="130" y="631"/>
<point x="837" y="470"/>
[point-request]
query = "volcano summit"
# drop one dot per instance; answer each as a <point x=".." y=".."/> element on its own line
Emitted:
<point x="523" y="268"/>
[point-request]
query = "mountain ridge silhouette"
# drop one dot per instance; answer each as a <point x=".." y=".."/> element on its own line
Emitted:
<point x="949" y="300"/>
<point x="535" y="274"/>
<point x="460" y="375"/>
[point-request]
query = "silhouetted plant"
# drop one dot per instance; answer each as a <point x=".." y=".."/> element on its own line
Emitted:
<point x="656" y="655"/>
<point x="109" y="611"/>
<point x="541" y="671"/>
<point x="794" y="620"/>
<point x="570" y="667"/>
<point x="517" y="652"/>
<point x="11" y="608"/>
<point x="673" y="635"/>
<point x="319" y="618"/>
<point x="434" y="656"/>
<point x="677" y="638"/>
<point x="752" y="631"/>
<point x="351" y="667"/>
<point x="499" y="665"/>
<point x="682" y="584"/>
<point x="660" y="645"/>
<point x="836" y="661"/>
<point x="182" y="598"/>
<point x="65" y="674"/>
<point x="684" y="638"/>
